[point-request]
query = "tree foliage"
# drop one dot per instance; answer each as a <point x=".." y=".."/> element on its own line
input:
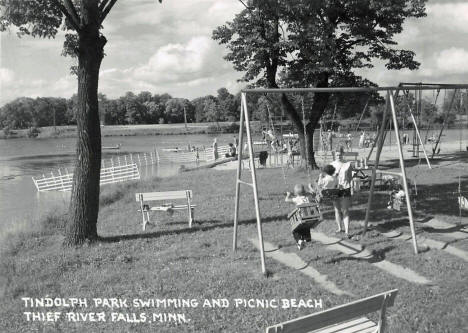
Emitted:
<point x="82" y="20"/>
<point x="302" y="43"/>
<point x="141" y="108"/>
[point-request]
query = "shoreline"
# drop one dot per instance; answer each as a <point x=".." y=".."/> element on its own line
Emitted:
<point x="131" y="130"/>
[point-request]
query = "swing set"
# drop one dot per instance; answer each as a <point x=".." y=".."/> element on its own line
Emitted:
<point x="389" y="115"/>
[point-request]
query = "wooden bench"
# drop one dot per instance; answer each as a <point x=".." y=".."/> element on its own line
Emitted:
<point x="347" y="318"/>
<point x="185" y="195"/>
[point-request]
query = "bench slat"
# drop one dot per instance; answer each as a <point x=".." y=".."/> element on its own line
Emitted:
<point x="359" y="325"/>
<point x="160" y="196"/>
<point x="334" y="315"/>
<point x="161" y="208"/>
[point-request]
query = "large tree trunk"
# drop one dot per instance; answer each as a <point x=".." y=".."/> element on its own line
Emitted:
<point x="312" y="115"/>
<point x="84" y="204"/>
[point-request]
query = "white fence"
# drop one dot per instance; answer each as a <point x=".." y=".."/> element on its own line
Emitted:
<point x="113" y="174"/>
<point x="202" y="155"/>
<point x="139" y="159"/>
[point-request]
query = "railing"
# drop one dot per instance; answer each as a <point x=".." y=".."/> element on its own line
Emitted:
<point x="140" y="159"/>
<point x="203" y="155"/>
<point x="113" y="174"/>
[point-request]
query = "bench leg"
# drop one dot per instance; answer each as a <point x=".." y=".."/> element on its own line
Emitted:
<point x="146" y="219"/>
<point x="381" y="325"/>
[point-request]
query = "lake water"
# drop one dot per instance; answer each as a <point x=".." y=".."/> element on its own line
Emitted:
<point x="21" y="159"/>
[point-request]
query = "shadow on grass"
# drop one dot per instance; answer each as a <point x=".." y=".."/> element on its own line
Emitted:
<point x="377" y="256"/>
<point x="195" y="228"/>
<point x="439" y="160"/>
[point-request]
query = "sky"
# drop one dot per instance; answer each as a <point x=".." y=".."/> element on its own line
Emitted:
<point x="167" y="48"/>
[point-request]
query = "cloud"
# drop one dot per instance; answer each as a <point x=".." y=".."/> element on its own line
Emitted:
<point x="187" y="68"/>
<point x="6" y="75"/>
<point x="176" y="62"/>
<point x="452" y="60"/>
<point x="449" y="16"/>
<point x="10" y="85"/>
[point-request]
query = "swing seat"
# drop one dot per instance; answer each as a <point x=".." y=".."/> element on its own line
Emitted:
<point x="307" y="215"/>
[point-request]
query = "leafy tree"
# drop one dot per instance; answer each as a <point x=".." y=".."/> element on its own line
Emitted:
<point x="303" y="43"/>
<point x="83" y="21"/>
<point x="228" y="105"/>
<point x="154" y="112"/>
<point x="212" y="111"/>
<point x="18" y="113"/>
<point x="176" y="109"/>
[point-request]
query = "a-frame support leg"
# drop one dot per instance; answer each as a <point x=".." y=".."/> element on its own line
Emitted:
<point x="244" y="118"/>
<point x="390" y="105"/>
<point x="380" y="142"/>
<point x="403" y="174"/>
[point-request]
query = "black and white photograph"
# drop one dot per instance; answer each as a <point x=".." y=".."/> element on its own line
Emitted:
<point x="238" y="166"/>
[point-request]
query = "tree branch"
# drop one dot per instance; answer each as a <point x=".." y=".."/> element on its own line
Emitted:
<point x="71" y="8"/>
<point x="107" y="9"/>
<point x="75" y="24"/>
<point x="102" y="5"/>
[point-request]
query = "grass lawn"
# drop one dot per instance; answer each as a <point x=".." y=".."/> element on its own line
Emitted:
<point x="172" y="261"/>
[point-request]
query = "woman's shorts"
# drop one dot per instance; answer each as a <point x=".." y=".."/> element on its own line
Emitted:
<point x="345" y="193"/>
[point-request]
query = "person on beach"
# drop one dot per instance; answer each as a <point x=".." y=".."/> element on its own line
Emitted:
<point x="329" y="140"/>
<point x="362" y="139"/>
<point x="289" y="149"/>
<point x="349" y="141"/>
<point x="232" y="151"/>
<point x="271" y="138"/>
<point x="341" y="205"/>
<point x="301" y="235"/>
<point x="215" y="149"/>
<point x="405" y="138"/>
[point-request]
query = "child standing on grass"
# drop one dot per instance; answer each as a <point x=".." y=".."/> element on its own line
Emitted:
<point x="301" y="236"/>
<point x="327" y="179"/>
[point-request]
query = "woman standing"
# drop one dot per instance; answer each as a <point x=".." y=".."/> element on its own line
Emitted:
<point x="215" y="149"/>
<point x="344" y="174"/>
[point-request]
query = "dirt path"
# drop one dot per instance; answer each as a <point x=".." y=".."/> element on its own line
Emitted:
<point x="295" y="262"/>
<point x="430" y="243"/>
<point x="357" y="251"/>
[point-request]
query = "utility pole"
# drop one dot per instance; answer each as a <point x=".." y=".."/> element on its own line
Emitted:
<point x="185" y="117"/>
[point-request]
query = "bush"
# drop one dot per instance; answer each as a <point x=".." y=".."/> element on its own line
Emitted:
<point x="7" y="131"/>
<point x="33" y="132"/>
<point x="233" y="128"/>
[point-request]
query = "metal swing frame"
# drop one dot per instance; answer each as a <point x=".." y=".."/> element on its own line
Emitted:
<point x="391" y="93"/>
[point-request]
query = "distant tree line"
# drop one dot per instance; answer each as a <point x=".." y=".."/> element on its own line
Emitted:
<point x="142" y="108"/>
<point x="148" y="108"/>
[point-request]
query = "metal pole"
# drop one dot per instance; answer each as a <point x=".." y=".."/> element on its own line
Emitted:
<point x="420" y="140"/>
<point x="403" y="173"/>
<point x="380" y="138"/>
<point x="238" y="177"/>
<point x="416" y="127"/>
<point x="443" y="124"/>
<point x="254" y="183"/>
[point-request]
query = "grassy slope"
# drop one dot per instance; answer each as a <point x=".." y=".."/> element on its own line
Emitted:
<point x="172" y="261"/>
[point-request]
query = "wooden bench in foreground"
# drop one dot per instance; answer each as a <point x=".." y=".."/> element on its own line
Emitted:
<point x="185" y="195"/>
<point x="347" y="318"/>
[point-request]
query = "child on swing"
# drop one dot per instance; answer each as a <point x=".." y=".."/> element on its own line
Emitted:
<point x="301" y="235"/>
